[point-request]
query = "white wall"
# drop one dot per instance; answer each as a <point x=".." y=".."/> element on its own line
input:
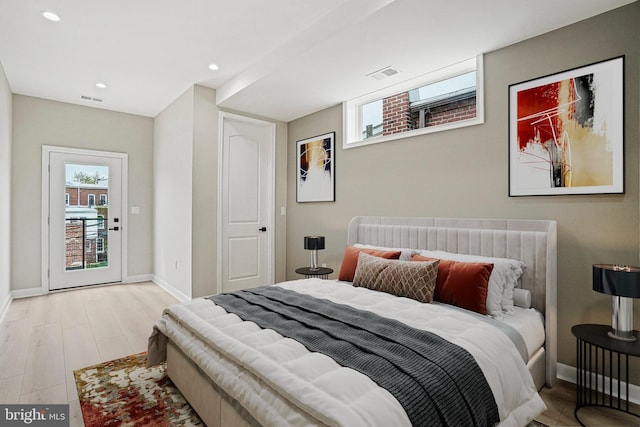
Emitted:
<point x="5" y="190"/>
<point x="205" y="191"/>
<point x="172" y="189"/>
<point x="38" y="122"/>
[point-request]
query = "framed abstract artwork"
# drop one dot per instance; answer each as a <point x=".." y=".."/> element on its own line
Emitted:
<point x="315" y="164"/>
<point x="566" y="132"/>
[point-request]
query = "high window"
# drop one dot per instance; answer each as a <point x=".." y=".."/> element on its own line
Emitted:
<point x="103" y="199"/>
<point x="448" y="98"/>
<point x="91" y="200"/>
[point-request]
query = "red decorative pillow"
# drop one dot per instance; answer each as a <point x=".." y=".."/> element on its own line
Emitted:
<point x="350" y="260"/>
<point x="463" y="284"/>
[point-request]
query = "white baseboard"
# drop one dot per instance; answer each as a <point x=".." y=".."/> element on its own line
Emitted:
<point x="25" y="293"/>
<point x="138" y="278"/>
<point x="568" y="373"/>
<point x="34" y="292"/>
<point x="4" y="307"/>
<point x="173" y="291"/>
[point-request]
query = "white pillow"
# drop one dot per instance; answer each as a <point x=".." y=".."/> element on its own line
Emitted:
<point x="405" y="253"/>
<point x="504" y="278"/>
<point x="522" y="298"/>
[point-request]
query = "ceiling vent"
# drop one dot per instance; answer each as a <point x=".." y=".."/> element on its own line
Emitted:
<point x="383" y="73"/>
<point x="90" y="98"/>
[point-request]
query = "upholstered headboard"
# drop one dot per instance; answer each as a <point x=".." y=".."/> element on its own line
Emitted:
<point x="531" y="241"/>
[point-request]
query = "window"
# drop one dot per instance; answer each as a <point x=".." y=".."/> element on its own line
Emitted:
<point x="99" y="245"/>
<point x="88" y="246"/>
<point x="101" y="221"/>
<point x="66" y="199"/>
<point x="91" y="200"/>
<point x="103" y="199"/>
<point x="372" y="119"/>
<point x="441" y="100"/>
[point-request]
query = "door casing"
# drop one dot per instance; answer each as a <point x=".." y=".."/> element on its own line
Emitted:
<point x="270" y="197"/>
<point x="46" y="151"/>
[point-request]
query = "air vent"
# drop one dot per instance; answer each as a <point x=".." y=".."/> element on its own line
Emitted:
<point x="383" y="73"/>
<point x="90" y="98"/>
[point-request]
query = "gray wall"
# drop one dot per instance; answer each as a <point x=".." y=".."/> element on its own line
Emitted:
<point x="38" y="122"/>
<point x="464" y="172"/>
<point x="5" y="188"/>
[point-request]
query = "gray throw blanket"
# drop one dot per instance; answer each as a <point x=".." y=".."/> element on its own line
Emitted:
<point x="436" y="382"/>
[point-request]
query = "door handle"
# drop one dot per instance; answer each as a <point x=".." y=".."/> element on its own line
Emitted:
<point x="263" y="229"/>
<point x="114" y="229"/>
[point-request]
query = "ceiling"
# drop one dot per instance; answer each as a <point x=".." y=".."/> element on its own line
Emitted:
<point x="280" y="59"/>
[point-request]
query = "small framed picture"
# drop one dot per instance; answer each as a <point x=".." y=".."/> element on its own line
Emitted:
<point x="566" y="132"/>
<point x="316" y="163"/>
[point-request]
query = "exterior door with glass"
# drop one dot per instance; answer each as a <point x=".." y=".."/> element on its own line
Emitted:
<point x="85" y="218"/>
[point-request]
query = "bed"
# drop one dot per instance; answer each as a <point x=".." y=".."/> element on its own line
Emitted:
<point x="235" y="373"/>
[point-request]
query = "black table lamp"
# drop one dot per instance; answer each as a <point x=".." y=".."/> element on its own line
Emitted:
<point x="623" y="283"/>
<point x="314" y="243"/>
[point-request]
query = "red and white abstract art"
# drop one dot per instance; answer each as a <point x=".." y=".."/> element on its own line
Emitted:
<point x="566" y="132"/>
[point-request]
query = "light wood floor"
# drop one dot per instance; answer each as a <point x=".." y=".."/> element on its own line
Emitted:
<point x="44" y="339"/>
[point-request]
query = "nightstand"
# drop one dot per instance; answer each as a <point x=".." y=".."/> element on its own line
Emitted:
<point x="322" y="272"/>
<point x="602" y="368"/>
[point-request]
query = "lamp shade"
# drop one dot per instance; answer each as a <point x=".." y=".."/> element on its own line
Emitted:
<point x="314" y="242"/>
<point x="611" y="279"/>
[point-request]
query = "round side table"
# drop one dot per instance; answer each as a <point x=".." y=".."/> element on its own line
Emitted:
<point x="602" y="368"/>
<point x="321" y="272"/>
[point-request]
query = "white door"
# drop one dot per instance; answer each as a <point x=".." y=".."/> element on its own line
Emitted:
<point x="247" y="202"/>
<point x="85" y="218"/>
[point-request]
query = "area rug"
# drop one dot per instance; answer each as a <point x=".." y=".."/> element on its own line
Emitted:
<point x="124" y="392"/>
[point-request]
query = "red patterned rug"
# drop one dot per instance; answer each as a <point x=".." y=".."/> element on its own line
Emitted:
<point x="124" y="392"/>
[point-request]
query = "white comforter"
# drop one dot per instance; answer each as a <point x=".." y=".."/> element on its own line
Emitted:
<point x="282" y="384"/>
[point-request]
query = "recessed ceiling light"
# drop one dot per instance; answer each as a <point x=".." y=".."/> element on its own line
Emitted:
<point x="51" y="16"/>
<point x="213" y="67"/>
<point x="101" y="85"/>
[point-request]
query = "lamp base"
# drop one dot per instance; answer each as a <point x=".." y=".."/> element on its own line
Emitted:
<point x="314" y="260"/>
<point x="622" y="336"/>
<point x="622" y="319"/>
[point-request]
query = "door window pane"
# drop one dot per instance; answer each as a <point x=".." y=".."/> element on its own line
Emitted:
<point x="86" y="238"/>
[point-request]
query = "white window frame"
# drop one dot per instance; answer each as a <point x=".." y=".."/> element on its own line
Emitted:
<point x="99" y="244"/>
<point x="103" y="199"/>
<point x="89" y="196"/>
<point x="352" y="111"/>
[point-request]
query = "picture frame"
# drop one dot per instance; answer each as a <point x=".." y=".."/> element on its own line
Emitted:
<point x="566" y="132"/>
<point x="315" y="163"/>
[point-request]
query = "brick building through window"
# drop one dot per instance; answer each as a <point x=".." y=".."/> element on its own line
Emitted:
<point x="405" y="111"/>
<point x="86" y="234"/>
